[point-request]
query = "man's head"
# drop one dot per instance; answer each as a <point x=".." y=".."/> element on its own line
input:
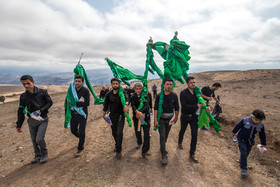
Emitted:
<point x="115" y="83"/>
<point x="258" y="116"/>
<point x="168" y="84"/>
<point x="79" y="81"/>
<point x="138" y="87"/>
<point x="191" y="82"/>
<point x="216" y="86"/>
<point x="27" y="82"/>
<point x="103" y="87"/>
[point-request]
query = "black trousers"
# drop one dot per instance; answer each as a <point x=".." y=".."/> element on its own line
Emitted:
<point x="185" y="120"/>
<point x="163" y="129"/>
<point x="78" y="128"/>
<point x="117" y="130"/>
<point x="146" y="129"/>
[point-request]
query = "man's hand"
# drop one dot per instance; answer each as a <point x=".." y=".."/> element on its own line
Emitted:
<point x="139" y="115"/>
<point x="208" y="110"/>
<point x="126" y="109"/>
<point x="209" y="98"/>
<point x="221" y="134"/>
<point x="199" y="105"/>
<point x="155" y="123"/>
<point x="39" y="112"/>
<point x="19" y="130"/>
<point x="106" y="58"/>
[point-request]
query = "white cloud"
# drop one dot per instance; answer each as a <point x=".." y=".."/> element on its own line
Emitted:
<point x="51" y="33"/>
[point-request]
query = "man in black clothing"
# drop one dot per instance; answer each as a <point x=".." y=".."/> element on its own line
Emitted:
<point x="79" y="120"/>
<point x="37" y="101"/>
<point x="113" y="104"/>
<point x="103" y="92"/>
<point x="154" y="88"/>
<point x="167" y="118"/>
<point x="144" y="115"/>
<point x="208" y="92"/>
<point x="189" y="106"/>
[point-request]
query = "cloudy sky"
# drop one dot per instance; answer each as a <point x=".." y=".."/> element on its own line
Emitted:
<point x="223" y="35"/>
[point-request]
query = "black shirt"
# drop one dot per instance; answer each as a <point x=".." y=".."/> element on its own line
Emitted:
<point x="103" y="93"/>
<point x="188" y="102"/>
<point x="41" y="97"/>
<point x="170" y="102"/>
<point x="207" y="92"/>
<point x="83" y="92"/>
<point x="135" y="102"/>
<point x="113" y="103"/>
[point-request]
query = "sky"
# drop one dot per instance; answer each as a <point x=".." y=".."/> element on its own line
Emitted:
<point x="223" y="35"/>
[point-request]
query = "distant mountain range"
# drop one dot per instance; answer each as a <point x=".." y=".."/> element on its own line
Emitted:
<point x="96" y="76"/>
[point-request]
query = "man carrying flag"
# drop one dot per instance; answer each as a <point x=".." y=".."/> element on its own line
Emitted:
<point x="79" y="113"/>
<point x="167" y="117"/>
<point x="143" y="116"/>
<point x="113" y="104"/>
<point x="189" y="107"/>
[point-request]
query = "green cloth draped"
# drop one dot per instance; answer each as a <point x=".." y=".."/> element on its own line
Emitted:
<point x="176" y="56"/>
<point x="124" y="75"/>
<point x="78" y="70"/>
<point x="203" y="115"/>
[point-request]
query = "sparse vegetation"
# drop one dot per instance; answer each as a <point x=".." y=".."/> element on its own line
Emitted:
<point x="2" y="98"/>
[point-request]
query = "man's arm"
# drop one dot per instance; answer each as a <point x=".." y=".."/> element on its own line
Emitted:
<point x="48" y="100"/>
<point x="205" y="97"/>
<point x="216" y="99"/>
<point x="86" y="101"/>
<point x="20" y="114"/>
<point x="262" y="136"/>
<point x="238" y="126"/>
<point x="155" y="118"/>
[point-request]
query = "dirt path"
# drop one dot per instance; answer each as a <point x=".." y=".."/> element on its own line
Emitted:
<point x="218" y="157"/>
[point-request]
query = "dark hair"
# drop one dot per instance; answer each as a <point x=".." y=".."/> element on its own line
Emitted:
<point x="26" y="77"/>
<point x="190" y="78"/>
<point x="114" y="79"/>
<point x="79" y="77"/>
<point x="217" y="84"/>
<point x="259" y="114"/>
<point x="167" y="79"/>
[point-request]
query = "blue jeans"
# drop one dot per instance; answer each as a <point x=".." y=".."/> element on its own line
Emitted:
<point x="245" y="148"/>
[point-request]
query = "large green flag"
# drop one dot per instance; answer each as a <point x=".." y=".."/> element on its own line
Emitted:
<point x="70" y="101"/>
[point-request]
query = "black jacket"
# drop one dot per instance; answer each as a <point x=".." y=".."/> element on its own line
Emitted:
<point x="41" y="97"/>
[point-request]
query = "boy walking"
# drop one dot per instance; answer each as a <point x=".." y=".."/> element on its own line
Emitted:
<point x="246" y="129"/>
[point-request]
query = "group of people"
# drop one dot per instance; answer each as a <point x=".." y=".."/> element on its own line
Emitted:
<point x="37" y="101"/>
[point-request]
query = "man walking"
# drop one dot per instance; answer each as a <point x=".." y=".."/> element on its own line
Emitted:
<point x="154" y="88"/>
<point x="167" y="118"/>
<point x="208" y="92"/>
<point x="37" y="101"/>
<point x="79" y="117"/>
<point x="113" y="104"/>
<point x="189" y="106"/>
<point x="142" y="114"/>
<point x="103" y="92"/>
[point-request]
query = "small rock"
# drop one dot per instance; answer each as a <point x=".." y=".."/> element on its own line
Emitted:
<point x="108" y="157"/>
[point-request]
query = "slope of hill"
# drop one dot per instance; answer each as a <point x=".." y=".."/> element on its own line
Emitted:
<point x="242" y="91"/>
